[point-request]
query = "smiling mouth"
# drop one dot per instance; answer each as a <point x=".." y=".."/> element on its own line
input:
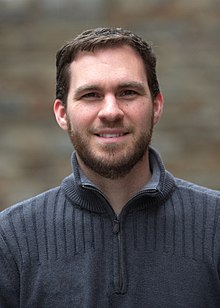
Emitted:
<point x="111" y="135"/>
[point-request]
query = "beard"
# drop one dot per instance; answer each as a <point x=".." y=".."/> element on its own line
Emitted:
<point x="111" y="165"/>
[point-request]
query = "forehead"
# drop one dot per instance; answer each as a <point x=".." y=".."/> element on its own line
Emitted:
<point x="109" y="62"/>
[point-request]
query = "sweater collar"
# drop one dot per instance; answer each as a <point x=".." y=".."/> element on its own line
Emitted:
<point x="82" y="192"/>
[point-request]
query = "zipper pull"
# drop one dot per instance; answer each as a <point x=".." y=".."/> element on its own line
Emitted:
<point x="116" y="226"/>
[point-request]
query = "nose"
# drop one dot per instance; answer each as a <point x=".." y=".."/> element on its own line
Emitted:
<point x="110" y="109"/>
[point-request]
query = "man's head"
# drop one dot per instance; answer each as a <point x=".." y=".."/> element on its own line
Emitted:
<point x="102" y="38"/>
<point x="108" y="100"/>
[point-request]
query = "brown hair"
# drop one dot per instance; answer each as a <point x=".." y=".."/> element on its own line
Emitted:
<point x="99" y="38"/>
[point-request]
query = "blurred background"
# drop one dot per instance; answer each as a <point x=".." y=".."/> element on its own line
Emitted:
<point x="35" y="153"/>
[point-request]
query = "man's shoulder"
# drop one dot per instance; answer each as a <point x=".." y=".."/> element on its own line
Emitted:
<point x="26" y="206"/>
<point x="195" y="189"/>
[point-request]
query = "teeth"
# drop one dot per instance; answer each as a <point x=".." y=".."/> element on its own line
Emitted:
<point x="110" y="135"/>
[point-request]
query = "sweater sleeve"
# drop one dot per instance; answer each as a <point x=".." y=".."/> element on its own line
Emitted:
<point x="9" y="276"/>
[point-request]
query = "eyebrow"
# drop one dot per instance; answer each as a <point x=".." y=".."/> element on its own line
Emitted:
<point x="86" y="88"/>
<point x="133" y="84"/>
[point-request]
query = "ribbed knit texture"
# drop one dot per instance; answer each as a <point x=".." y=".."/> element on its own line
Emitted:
<point x="59" y="249"/>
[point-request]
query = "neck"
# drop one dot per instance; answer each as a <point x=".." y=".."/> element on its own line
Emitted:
<point x="119" y="191"/>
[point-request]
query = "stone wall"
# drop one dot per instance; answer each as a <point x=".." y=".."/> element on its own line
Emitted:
<point x="35" y="153"/>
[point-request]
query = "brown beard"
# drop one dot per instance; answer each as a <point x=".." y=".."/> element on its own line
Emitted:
<point x="108" y="167"/>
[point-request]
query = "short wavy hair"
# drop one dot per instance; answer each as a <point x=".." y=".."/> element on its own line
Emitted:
<point x="101" y="38"/>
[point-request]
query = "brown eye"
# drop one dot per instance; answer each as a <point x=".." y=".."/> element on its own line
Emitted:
<point x="91" y="96"/>
<point x="128" y="94"/>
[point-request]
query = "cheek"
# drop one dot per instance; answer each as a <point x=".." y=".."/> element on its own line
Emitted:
<point x="79" y="118"/>
<point x="143" y="117"/>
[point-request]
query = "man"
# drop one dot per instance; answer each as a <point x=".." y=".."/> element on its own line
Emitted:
<point x="120" y="231"/>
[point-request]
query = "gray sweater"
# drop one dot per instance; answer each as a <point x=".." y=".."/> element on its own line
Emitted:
<point x="66" y="247"/>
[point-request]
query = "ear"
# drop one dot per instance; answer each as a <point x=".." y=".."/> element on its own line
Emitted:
<point x="60" y="114"/>
<point x="158" y="107"/>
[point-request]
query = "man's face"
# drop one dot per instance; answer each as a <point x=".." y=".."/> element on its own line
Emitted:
<point x="110" y="114"/>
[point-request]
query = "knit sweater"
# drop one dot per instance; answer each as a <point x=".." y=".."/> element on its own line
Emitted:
<point x="67" y="248"/>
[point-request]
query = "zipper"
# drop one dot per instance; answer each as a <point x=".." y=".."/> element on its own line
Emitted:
<point x="118" y="258"/>
<point x="117" y="232"/>
<point x="119" y="279"/>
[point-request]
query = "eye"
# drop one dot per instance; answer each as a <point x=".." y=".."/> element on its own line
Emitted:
<point x="91" y="96"/>
<point x="128" y="93"/>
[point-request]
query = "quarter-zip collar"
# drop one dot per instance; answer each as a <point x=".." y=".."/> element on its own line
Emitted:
<point x="82" y="192"/>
